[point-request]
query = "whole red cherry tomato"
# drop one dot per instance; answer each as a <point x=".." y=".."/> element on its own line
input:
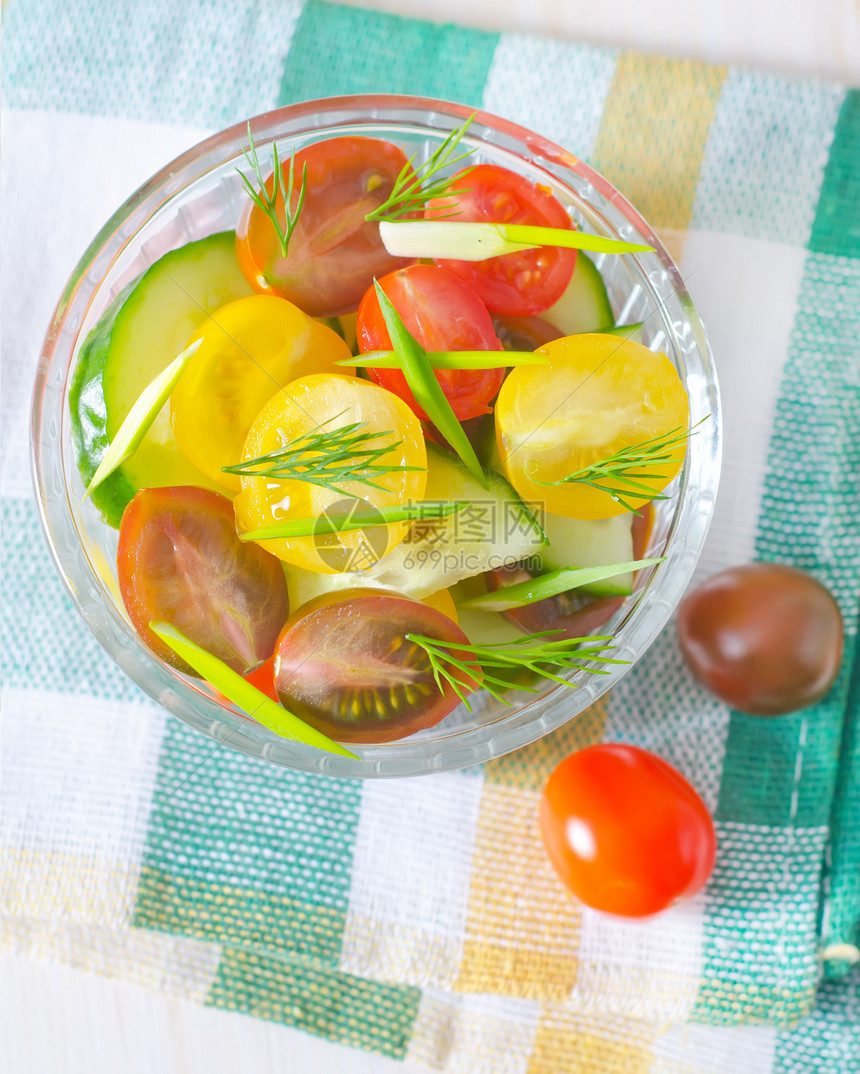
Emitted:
<point x="625" y="831"/>
<point x="529" y="281"/>
<point x="765" y="638"/>
<point x="444" y="314"/>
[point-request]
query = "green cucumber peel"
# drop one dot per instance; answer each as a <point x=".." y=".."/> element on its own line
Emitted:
<point x="551" y="584"/>
<point x="136" y="424"/>
<point x="355" y="520"/>
<point x="426" y="388"/>
<point x="243" y="694"/>
<point x="624" y="330"/>
<point x="472" y="241"/>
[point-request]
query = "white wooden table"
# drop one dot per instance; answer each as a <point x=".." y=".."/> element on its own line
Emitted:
<point x="60" y="1021"/>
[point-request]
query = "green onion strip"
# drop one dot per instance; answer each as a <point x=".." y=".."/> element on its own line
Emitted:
<point x="354" y="520"/>
<point x="450" y="359"/>
<point x="550" y="585"/>
<point x="426" y="388"/>
<point x="242" y="693"/>
<point x="476" y="241"/>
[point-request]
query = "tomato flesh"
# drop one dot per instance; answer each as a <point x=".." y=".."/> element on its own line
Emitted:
<point x="596" y="395"/>
<point x="625" y="831"/>
<point x="444" y="314"/>
<point x="529" y="281"/>
<point x="179" y="560"/>
<point x="331" y="402"/>
<point x="333" y="253"/>
<point x="766" y="638"/>
<point x="343" y="663"/>
<point x="247" y="350"/>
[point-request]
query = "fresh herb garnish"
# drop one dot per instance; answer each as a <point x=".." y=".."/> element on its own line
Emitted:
<point x="451" y="359"/>
<point x="136" y="423"/>
<point x="357" y="519"/>
<point x="426" y="388"/>
<point x="622" y="469"/>
<point x="474" y="241"/>
<point x="242" y="693"/>
<point x="266" y="202"/>
<point x="328" y="458"/>
<point x="413" y="187"/>
<point x="550" y="585"/>
<point x="539" y="653"/>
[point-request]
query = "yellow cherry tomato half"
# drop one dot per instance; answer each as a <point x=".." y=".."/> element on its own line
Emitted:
<point x="325" y="403"/>
<point x="249" y="349"/>
<point x="596" y="395"/>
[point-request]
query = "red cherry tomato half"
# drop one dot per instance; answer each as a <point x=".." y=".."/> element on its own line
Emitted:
<point x="444" y="314"/>
<point x="625" y="831"/>
<point x="765" y="638"/>
<point x="263" y="678"/>
<point x="334" y="253"/>
<point x="526" y="282"/>
<point x="180" y="560"/>
<point x="576" y="613"/>
<point x="344" y="665"/>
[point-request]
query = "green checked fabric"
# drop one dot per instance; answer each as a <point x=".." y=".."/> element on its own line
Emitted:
<point x="419" y="919"/>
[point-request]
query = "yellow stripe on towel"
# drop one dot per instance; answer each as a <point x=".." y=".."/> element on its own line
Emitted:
<point x="653" y="134"/>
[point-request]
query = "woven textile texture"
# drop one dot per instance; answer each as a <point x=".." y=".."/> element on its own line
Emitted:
<point x="420" y="918"/>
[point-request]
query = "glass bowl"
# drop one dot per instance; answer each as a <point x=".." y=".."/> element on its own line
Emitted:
<point x="200" y="193"/>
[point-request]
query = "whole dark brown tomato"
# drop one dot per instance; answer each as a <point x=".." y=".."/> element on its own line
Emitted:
<point x="765" y="638"/>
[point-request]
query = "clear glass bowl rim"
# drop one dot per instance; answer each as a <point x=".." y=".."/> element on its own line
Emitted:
<point x="654" y="604"/>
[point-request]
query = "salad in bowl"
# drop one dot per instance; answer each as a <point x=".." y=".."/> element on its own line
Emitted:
<point x="376" y="436"/>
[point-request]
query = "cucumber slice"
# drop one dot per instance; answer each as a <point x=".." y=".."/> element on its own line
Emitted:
<point x="576" y="542"/>
<point x="89" y="419"/>
<point x="495" y="528"/>
<point x="627" y="331"/>
<point x="584" y="306"/>
<point x="140" y="334"/>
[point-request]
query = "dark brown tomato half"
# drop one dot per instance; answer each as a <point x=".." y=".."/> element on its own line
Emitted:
<point x="343" y="663"/>
<point x="574" y="612"/>
<point x="525" y="333"/>
<point x="334" y="252"/>
<point x="180" y="560"/>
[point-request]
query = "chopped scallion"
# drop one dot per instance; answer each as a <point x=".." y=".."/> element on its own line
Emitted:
<point x="242" y="693"/>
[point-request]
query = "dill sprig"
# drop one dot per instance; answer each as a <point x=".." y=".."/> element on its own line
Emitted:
<point x="620" y="475"/>
<point x="266" y="202"/>
<point x="413" y="187"/>
<point x="327" y="457"/>
<point x="539" y="652"/>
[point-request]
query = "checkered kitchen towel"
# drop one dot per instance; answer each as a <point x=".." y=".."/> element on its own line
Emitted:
<point x="420" y="918"/>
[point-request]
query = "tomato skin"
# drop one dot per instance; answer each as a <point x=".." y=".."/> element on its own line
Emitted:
<point x="334" y="253"/>
<point x="626" y="833"/>
<point x="179" y="559"/>
<point x="766" y="638"/>
<point x="521" y="283"/>
<point x="343" y="664"/>
<point x="444" y="314"/>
